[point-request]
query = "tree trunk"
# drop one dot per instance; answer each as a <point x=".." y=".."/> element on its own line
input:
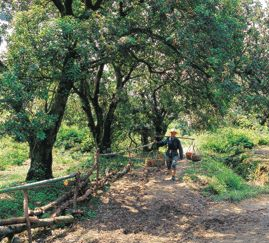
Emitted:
<point x="160" y="129"/>
<point x="41" y="162"/>
<point x="263" y="118"/>
<point x="41" y="151"/>
<point x="105" y="146"/>
<point x="145" y="138"/>
<point x="106" y="141"/>
<point x="101" y="118"/>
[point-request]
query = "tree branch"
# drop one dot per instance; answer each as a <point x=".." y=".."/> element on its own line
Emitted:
<point x="149" y="66"/>
<point x="2" y="66"/>
<point x="167" y="43"/>
<point x="97" y="82"/>
<point x="68" y="7"/>
<point x="82" y="93"/>
<point x="96" y="6"/>
<point x="88" y="4"/>
<point x="60" y="6"/>
<point x="128" y="76"/>
<point x="121" y="11"/>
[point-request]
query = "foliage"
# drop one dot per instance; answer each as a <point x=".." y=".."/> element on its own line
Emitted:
<point x="74" y="115"/>
<point x="12" y="153"/>
<point x="12" y="203"/>
<point x="74" y="138"/>
<point x="231" y="145"/>
<point x="220" y="182"/>
<point x="231" y="140"/>
<point x="253" y="65"/>
<point x="192" y="69"/>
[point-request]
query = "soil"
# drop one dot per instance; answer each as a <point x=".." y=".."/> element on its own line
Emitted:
<point x="162" y="211"/>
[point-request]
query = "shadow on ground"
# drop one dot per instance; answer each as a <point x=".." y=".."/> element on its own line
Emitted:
<point x="163" y="211"/>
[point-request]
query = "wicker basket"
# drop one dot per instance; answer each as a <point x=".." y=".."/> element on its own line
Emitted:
<point x="193" y="153"/>
<point x="196" y="157"/>
<point x="189" y="155"/>
<point x="156" y="160"/>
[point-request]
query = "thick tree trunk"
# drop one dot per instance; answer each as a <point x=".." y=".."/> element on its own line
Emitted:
<point x="145" y="138"/>
<point x="41" y="151"/>
<point x="160" y="129"/>
<point x="105" y="145"/>
<point x="41" y="161"/>
<point x="106" y="141"/>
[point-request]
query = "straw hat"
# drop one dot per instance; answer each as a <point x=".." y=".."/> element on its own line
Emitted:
<point x="170" y="131"/>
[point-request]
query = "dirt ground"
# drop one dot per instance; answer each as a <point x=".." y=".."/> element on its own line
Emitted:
<point x="160" y="210"/>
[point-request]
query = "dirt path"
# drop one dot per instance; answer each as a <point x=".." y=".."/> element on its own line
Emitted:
<point x="165" y="211"/>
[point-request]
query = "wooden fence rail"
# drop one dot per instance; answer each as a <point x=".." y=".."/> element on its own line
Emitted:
<point x="27" y="222"/>
<point x="37" y="184"/>
<point x="30" y="186"/>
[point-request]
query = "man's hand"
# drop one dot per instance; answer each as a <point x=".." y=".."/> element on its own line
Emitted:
<point x="154" y="145"/>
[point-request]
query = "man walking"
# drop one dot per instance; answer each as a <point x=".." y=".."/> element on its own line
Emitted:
<point x="174" y="152"/>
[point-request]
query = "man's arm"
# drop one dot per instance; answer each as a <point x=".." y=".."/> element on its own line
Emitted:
<point x="162" y="143"/>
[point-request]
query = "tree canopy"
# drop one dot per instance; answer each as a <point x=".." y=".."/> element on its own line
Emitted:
<point x="135" y="66"/>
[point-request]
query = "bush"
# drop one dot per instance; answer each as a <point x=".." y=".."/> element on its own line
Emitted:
<point x="231" y="180"/>
<point x="74" y="138"/>
<point x="220" y="182"/>
<point x="12" y="203"/>
<point x="12" y="153"/>
<point x="263" y="141"/>
<point x="231" y="140"/>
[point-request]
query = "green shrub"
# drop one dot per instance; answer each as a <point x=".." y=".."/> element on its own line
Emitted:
<point x="231" y="180"/>
<point x="216" y="186"/>
<point x="263" y="141"/>
<point x="74" y="138"/>
<point x="12" y="204"/>
<point x="12" y="153"/>
<point x="221" y="182"/>
<point x="240" y="140"/>
<point x="11" y="207"/>
<point x="231" y="140"/>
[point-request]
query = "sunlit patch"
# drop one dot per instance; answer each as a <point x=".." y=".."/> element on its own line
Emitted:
<point x="5" y="196"/>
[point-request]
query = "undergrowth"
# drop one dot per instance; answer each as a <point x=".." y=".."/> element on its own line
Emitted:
<point x="219" y="182"/>
<point x="11" y="203"/>
<point x="225" y="173"/>
<point x="12" y="153"/>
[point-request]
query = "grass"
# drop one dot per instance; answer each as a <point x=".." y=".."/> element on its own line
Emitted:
<point x="217" y="178"/>
<point x="12" y="153"/>
<point x="13" y="170"/>
<point x="66" y="161"/>
<point x="231" y="140"/>
<point x="224" y="173"/>
<point x="11" y="204"/>
<point x="220" y="182"/>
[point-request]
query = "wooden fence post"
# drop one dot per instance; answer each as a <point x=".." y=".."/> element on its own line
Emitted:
<point x="77" y="181"/>
<point x="129" y="158"/>
<point x="26" y="214"/>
